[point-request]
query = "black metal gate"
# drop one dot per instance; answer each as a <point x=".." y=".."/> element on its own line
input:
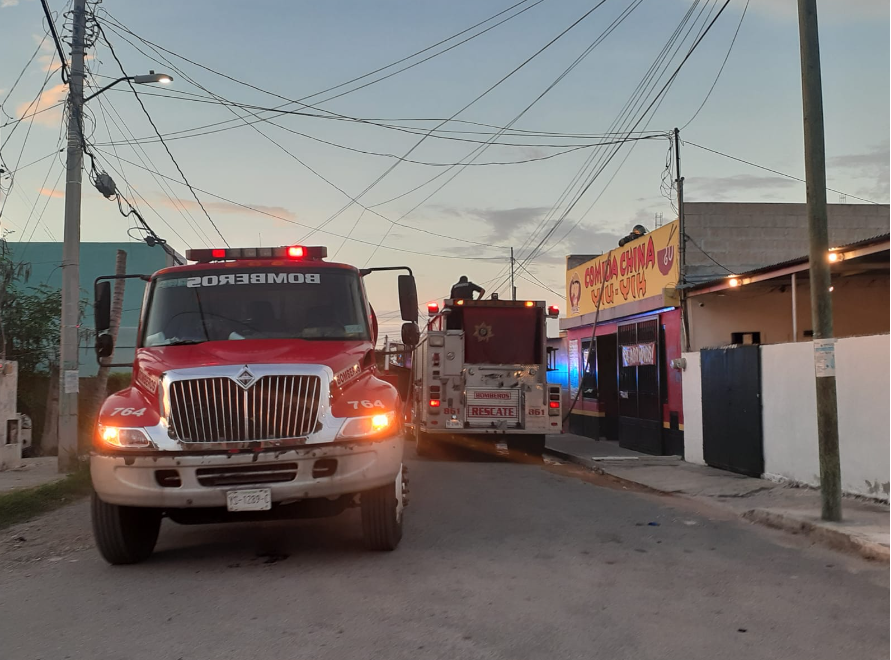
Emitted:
<point x="731" y="409"/>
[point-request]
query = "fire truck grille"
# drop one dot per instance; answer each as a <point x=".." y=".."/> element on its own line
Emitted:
<point x="220" y="410"/>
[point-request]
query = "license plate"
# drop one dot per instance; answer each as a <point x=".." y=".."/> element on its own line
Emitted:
<point x="454" y="424"/>
<point x="257" y="499"/>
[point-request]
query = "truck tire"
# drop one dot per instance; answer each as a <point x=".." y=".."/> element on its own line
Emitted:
<point x="382" y="510"/>
<point x="124" y="534"/>
<point x="531" y="445"/>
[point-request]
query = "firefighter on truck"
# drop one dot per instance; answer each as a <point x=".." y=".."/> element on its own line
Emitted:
<point x="255" y="395"/>
<point x="482" y="372"/>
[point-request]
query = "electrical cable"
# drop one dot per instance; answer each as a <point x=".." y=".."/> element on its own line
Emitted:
<point x="476" y="153"/>
<point x="282" y="218"/>
<point x="56" y="41"/>
<point x="721" y="70"/>
<point x="468" y="105"/>
<point x="158" y="133"/>
<point x="114" y="23"/>
<point x="642" y="116"/>
<point x="772" y="171"/>
<point x="165" y="187"/>
<point x="19" y="77"/>
<point x="12" y="173"/>
<point x="312" y="170"/>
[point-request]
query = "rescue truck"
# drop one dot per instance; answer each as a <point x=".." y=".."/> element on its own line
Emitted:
<point x="255" y="395"/>
<point x="482" y="371"/>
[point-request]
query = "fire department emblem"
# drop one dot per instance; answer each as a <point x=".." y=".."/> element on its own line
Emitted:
<point x="245" y="378"/>
<point x="483" y="332"/>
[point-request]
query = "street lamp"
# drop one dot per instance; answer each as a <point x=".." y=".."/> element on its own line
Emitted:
<point x="69" y="346"/>
<point x="146" y="79"/>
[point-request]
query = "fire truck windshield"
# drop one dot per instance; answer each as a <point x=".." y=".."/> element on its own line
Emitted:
<point x="255" y="303"/>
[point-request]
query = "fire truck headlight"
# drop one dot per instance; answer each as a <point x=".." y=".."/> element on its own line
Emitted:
<point x="118" y="438"/>
<point x="368" y="427"/>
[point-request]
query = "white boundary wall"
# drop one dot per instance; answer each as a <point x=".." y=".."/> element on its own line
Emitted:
<point x="789" y="411"/>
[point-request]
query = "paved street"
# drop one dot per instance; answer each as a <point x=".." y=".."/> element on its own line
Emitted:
<point x="499" y="560"/>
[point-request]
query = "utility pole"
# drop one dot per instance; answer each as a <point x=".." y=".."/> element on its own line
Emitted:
<point x="821" y="301"/>
<point x="513" y="289"/>
<point x="682" y="240"/>
<point x="68" y="350"/>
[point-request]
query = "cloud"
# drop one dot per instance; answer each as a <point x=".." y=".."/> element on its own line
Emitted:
<point x="47" y="98"/>
<point x="284" y="217"/>
<point x="503" y="224"/>
<point x="872" y="165"/>
<point x="718" y="189"/>
<point x="49" y="192"/>
<point x="8" y="3"/>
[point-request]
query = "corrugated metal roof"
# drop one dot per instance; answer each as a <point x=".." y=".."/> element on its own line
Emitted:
<point x="791" y="262"/>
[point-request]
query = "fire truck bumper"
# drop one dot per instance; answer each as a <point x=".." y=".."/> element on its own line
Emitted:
<point x="198" y="481"/>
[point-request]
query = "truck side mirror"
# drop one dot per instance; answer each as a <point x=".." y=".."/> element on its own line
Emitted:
<point x="102" y="307"/>
<point x="411" y="335"/>
<point x="104" y="346"/>
<point x="408" y="299"/>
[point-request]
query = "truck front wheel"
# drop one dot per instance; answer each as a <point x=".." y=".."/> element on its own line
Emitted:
<point x="382" y="515"/>
<point x="124" y="534"/>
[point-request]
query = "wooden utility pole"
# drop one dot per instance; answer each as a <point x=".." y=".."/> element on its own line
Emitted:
<point x="820" y="276"/>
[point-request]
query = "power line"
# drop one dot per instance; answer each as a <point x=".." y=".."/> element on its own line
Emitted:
<point x="312" y="170"/>
<point x="479" y="150"/>
<point x="165" y="187"/>
<point x="114" y="23"/>
<point x="772" y="171"/>
<point x="291" y="221"/>
<point x="158" y="133"/>
<point x="468" y="105"/>
<point x="135" y="193"/>
<point x="642" y="116"/>
<point x="12" y="173"/>
<point x="56" y="41"/>
<point x="594" y="166"/>
<point x="721" y="70"/>
<point x="19" y="77"/>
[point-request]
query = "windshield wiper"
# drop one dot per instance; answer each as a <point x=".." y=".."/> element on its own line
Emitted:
<point x="181" y="342"/>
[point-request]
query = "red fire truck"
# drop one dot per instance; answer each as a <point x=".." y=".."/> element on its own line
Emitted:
<point x="255" y="395"/>
<point x="482" y="371"/>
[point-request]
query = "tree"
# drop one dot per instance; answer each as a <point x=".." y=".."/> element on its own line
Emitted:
<point x="31" y="327"/>
<point x="9" y="272"/>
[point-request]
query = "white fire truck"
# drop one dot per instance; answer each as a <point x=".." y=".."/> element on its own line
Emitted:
<point x="482" y="371"/>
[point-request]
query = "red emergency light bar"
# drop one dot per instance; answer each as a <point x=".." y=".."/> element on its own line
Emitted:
<point x="553" y="310"/>
<point x="432" y="308"/>
<point x="487" y="302"/>
<point x="247" y="254"/>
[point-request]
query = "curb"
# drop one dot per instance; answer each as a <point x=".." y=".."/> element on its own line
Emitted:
<point x="833" y="538"/>
<point x="572" y="458"/>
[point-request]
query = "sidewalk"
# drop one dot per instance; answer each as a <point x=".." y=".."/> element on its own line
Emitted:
<point x="29" y="473"/>
<point x="864" y="530"/>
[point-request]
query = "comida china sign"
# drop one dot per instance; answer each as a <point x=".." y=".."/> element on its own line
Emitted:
<point x="643" y="270"/>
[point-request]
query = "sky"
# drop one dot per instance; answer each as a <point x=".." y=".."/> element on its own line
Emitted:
<point x="297" y="172"/>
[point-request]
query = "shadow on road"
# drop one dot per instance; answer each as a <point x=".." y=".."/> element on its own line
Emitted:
<point x="463" y="449"/>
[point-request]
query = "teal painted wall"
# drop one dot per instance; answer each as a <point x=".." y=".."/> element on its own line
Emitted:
<point x="96" y="259"/>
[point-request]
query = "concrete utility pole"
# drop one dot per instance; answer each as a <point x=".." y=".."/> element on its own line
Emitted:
<point x="821" y="300"/>
<point x="68" y="351"/>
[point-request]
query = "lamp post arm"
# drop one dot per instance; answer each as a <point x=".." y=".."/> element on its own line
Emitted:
<point x="108" y="86"/>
